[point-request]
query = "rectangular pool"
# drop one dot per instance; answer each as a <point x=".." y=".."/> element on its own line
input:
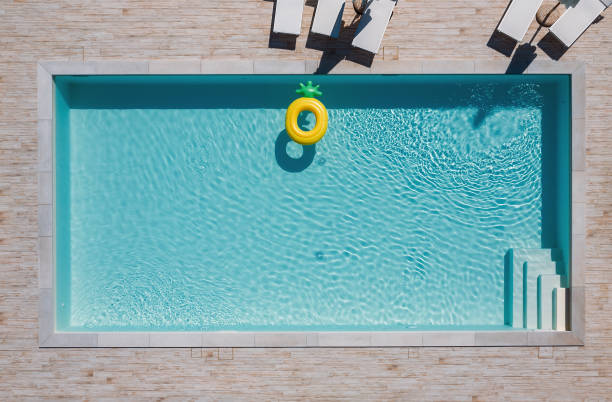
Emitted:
<point x="182" y="205"/>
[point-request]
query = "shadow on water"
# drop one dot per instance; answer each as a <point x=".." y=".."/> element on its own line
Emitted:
<point x="288" y="163"/>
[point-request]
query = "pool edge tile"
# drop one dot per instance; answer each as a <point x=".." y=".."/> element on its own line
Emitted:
<point x="578" y="259"/>
<point x="448" y="67"/>
<point x="579" y="91"/>
<point x="449" y="338"/>
<point x="69" y="67"/>
<point x="578" y="187"/>
<point x="577" y="312"/>
<point x="45" y="220"/>
<point x="491" y="66"/>
<point x="45" y="266"/>
<point x="279" y="67"/>
<point x="71" y="340"/>
<point x="44" y="93"/>
<point x="44" y="130"/>
<point x="46" y="321"/>
<point x="312" y="339"/>
<point x="280" y="339"/>
<point x="45" y="188"/>
<point x="344" y="339"/>
<point x="175" y="340"/>
<point x="239" y="66"/>
<point x="397" y="339"/>
<point x="120" y="67"/>
<point x="123" y="340"/>
<point x="578" y="144"/>
<point x="553" y="338"/>
<point x="229" y="339"/>
<point x="501" y="338"/>
<point x="552" y="67"/>
<point x="396" y="67"/>
<point x="578" y="226"/>
<point x="169" y="67"/>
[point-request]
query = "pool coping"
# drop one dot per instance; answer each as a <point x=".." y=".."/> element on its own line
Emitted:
<point x="49" y="337"/>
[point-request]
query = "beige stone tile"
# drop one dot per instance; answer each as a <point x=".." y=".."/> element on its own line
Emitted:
<point x="226" y="354"/>
<point x="210" y="354"/>
<point x="545" y="352"/>
<point x="196" y="353"/>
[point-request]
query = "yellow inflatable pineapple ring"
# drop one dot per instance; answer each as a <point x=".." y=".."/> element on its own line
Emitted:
<point x="310" y="104"/>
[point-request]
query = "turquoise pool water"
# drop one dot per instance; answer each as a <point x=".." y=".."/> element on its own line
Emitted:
<point x="181" y="204"/>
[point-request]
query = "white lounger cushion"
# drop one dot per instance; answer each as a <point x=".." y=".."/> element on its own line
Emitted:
<point x="328" y="16"/>
<point x="373" y="24"/>
<point x="288" y="16"/>
<point x="576" y="20"/>
<point x="518" y="17"/>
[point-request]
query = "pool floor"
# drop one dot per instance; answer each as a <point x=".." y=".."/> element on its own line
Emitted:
<point x="196" y="216"/>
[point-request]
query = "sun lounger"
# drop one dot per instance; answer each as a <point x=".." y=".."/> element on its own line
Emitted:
<point x="577" y="19"/>
<point x="288" y="17"/>
<point x="518" y="17"/>
<point x="373" y="24"/>
<point x="328" y="17"/>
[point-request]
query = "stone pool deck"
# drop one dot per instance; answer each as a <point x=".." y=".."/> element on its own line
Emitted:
<point x="197" y="33"/>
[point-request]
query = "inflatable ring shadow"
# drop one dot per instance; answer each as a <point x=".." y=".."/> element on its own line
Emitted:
<point x="288" y="163"/>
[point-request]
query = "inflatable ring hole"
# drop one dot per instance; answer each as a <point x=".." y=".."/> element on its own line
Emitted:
<point x="306" y="120"/>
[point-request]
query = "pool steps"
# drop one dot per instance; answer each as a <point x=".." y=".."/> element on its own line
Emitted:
<point x="547" y="283"/>
<point x="536" y="289"/>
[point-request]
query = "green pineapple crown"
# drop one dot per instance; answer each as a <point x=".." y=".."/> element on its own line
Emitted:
<point x="308" y="90"/>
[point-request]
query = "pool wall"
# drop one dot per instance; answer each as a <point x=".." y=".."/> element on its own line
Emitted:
<point x="47" y="103"/>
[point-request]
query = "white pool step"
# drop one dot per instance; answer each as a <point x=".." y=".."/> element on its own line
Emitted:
<point x="560" y="298"/>
<point x="546" y="286"/>
<point x="534" y="275"/>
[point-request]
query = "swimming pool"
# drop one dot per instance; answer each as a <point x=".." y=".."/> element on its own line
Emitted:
<point x="181" y="204"/>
